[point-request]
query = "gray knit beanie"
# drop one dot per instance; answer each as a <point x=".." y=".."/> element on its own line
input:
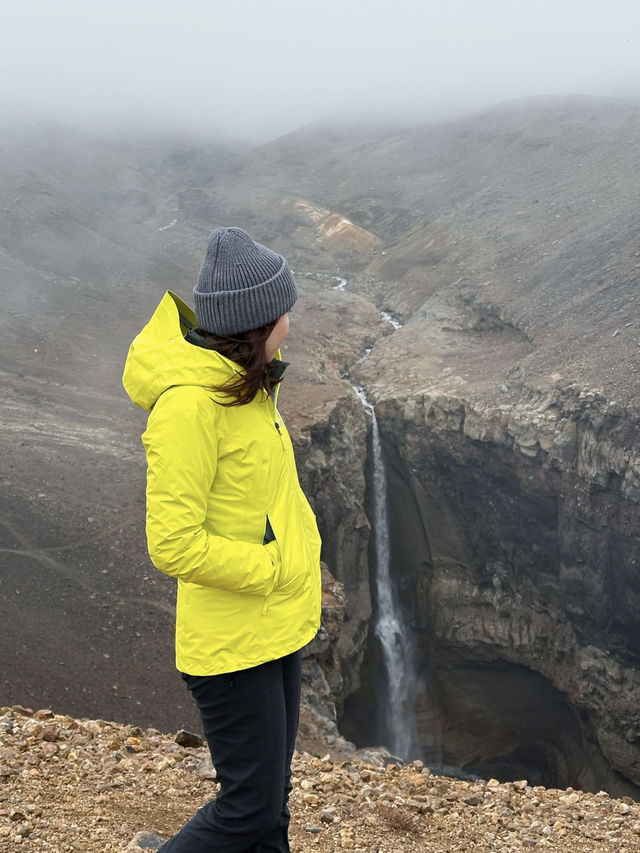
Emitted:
<point x="242" y="285"/>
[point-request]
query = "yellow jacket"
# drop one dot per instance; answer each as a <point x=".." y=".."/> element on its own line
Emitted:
<point x="221" y="482"/>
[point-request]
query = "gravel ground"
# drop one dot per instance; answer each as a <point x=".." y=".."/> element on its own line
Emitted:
<point x="89" y="785"/>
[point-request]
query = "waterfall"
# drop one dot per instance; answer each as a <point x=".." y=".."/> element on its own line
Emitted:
<point x="389" y="626"/>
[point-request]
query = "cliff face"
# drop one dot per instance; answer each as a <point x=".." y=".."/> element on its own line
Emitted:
<point x="515" y="548"/>
<point x="332" y="470"/>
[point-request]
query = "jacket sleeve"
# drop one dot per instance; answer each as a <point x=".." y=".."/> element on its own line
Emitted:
<point x="181" y="447"/>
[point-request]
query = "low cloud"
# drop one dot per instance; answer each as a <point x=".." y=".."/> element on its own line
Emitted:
<point x="258" y="70"/>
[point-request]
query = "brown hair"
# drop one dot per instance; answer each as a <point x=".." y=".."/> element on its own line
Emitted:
<point x="248" y="350"/>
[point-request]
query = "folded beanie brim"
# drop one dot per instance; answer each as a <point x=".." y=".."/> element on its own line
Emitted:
<point x="228" y="312"/>
<point x="242" y="285"/>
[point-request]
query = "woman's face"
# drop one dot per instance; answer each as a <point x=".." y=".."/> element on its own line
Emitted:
<point x="279" y="333"/>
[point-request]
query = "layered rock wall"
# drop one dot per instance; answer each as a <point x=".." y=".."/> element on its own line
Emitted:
<point x="331" y="456"/>
<point x="515" y="529"/>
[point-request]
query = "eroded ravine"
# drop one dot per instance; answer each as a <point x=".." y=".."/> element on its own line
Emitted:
<point x="513" y="556"/>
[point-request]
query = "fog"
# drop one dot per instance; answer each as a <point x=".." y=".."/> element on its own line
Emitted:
<point x="257" y="70"/>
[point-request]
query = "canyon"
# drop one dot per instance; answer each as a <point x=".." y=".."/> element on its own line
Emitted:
<point x="506" y="390"/>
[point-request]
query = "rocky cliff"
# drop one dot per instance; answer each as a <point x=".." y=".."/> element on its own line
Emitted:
<point x="515" y="530"/>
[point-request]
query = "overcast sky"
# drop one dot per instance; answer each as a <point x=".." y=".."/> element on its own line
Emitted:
<point x="259" y="68"/>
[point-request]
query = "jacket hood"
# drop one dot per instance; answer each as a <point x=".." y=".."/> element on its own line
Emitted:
<point x="160" y="357"/>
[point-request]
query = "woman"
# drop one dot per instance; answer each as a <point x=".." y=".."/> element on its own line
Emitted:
<point x="226" y="516"/>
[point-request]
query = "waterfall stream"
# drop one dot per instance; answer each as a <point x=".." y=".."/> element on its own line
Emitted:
<point x="395" y="640"/>
<point x="389" y="628"/>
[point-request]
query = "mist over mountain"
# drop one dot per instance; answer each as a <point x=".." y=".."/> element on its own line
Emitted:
<point x="162" y="68"/>
<point x="504" y="246"/>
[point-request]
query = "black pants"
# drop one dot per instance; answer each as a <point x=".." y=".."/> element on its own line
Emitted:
<point x="250" y="720"/>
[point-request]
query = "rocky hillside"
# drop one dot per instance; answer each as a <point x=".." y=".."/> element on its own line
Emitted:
<point x="504" y="249"/>
<point x="87" y="248"/>
<point x="70" y="784"/>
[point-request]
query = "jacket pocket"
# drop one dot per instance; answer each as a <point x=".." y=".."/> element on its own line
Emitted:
<point x="269" y="535"/>
<point x="273" y="548"/>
